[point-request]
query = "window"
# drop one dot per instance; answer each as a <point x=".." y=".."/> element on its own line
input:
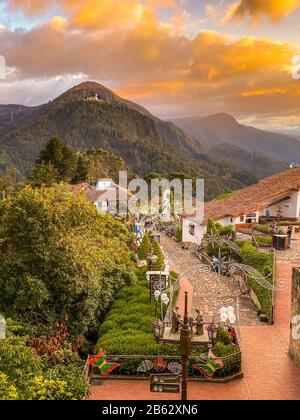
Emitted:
<point x="192" y="230"/>
<point x="251" y="218"/>
<point x="242" y="219"/>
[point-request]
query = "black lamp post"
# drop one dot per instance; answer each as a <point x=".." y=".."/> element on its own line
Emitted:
<point x="185" y="347"/>
<point x="158" y="329"/>
<point x="212" y="330"/>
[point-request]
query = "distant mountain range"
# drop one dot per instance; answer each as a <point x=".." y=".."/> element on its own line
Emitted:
<point x="218" y="129"/>
<point x="146" y="143"/>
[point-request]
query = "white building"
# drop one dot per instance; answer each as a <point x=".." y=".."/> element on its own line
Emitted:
<point x="107" y="196"/>
<point x="271" y="198"/>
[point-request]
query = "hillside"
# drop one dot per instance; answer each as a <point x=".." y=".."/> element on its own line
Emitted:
<point x="223" y="128"/>
<point x="146" y="143"/>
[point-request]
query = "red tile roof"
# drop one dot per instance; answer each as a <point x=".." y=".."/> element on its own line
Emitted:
<point x="93" y="195"/>
<point x="254" y="198"/>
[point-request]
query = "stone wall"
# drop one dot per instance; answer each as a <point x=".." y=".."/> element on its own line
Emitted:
<point x="295" y="323"/>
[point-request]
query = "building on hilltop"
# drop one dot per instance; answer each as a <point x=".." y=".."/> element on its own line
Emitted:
<point x="93" y="97"/>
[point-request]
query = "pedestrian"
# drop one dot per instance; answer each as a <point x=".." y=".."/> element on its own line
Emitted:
<point x="289" y="233"/>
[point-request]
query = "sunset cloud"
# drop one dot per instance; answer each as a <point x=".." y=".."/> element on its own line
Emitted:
<point x="31" y="7"/>
<point x="125" y="45"/>
<point x="275" y="10"/>
<point x="149" y="62"/>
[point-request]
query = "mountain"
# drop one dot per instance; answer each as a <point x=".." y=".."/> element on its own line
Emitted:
<point x="146" y="143"/>
<point x="223" y="128"/>
<point x="257" y="163"/>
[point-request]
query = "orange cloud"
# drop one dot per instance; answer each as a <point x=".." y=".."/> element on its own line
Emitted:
<point x="150" y="62"/>
<point x="31" y="7"/>
<point x="102" y="14"/>
<point x="275" y="10"/>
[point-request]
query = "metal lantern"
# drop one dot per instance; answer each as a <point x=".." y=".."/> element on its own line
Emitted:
<point x="212" y="331"/>
<point x="2" y="328"/>
<point x="158" y="329"/>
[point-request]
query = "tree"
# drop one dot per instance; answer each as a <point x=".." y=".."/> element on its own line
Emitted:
<point x="61" y="157"/>
<point x="81" y="171"/>
<point x="145" y="248"/>
<point x="157" y="251"/>
<point x="18" y="363"/>
<point x="60" y="260"/>
<point x="179" y="234"/>
<point x="211" y="228"/>
<point x="44" y="174"/>
<point x="9" y="181"/>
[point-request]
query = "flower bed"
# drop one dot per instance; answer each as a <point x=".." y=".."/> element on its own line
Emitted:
<point x="127" y="336"/>
<point x="140" y="366"/>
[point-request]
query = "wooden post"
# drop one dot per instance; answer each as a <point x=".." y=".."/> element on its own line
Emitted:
<point x="185" y="344"/>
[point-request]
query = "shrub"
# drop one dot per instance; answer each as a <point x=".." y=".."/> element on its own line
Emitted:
<point x="232" y="364"/>
<point x="18" y="363"/>
<point x="264" y="240"/>
<point x="145" y="248"/>
<point x="263" y="228"/>
<point x="7" y="391"/>
<point x="225" y="231"/>
<point x="49" y="389"/>
<point x="179" y="234"/>
<point x="224" y="337"/>
<point x="25" y="375"/>
<point x="264" y="264"/>
<point x="128" y="327"/>
<point x="159" y="264"/>
<point x="70" y="372"/>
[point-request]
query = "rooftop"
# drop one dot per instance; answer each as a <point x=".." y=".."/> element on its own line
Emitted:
<point x="254" y="198"/>
<point x="93" y="195"/>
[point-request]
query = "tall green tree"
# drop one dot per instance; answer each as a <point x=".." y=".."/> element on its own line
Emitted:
<point x="61" y="157"/>
<point x="59" y="259"/>
<point x="44" y="174"/>
<point x="82" y="169"/>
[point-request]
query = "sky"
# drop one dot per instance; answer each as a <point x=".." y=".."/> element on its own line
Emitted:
<point x="175" y="57"/>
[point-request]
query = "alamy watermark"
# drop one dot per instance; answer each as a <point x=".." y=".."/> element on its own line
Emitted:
<point x="159" y="197"/>
<point x="2" y="67"/>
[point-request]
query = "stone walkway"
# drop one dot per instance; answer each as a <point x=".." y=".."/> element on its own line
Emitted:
<point x="207" y="291"/>
<point x="270" y="374"/>
<point x="291" y="255"/>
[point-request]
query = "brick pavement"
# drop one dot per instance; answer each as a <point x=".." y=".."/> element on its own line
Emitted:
<point x="269" y="372"/>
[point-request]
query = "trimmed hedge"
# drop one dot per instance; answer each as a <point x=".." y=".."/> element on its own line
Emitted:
<point x="264" y="264"/>
<point x="263" y="229"/>
<point x="145" y="248"/>
<point x="264" y="240"/>
<point x="159" y="265"/>
<point x="128" y="326"/>
<point x="179" y="235"/>
<point x="128" y="331"/>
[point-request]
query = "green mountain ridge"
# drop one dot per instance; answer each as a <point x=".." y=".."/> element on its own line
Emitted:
<point x="146" y="143"/>
<point x="223" y="128"/>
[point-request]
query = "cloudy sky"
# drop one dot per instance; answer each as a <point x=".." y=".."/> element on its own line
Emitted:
<point x="176" y="57"/>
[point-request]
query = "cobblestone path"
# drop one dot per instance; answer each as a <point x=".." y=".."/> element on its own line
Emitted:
<point x="269" y="372"/>
<point x="209" y="290"/>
